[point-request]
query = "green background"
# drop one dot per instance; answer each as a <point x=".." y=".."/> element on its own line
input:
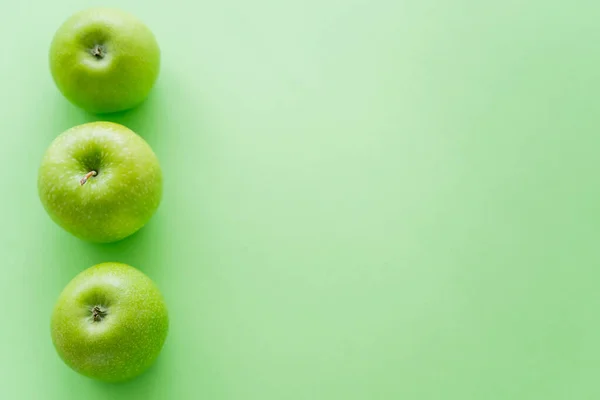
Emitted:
<point x="364" y="199"/>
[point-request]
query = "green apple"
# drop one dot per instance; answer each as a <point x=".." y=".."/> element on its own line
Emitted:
<point x="104" y="60"/>
<point x="100" y="181"/>
<point x="110" y="322"/>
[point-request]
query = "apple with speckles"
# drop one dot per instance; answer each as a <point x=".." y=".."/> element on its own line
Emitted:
<point x="100" y="181"/>
<point x="110" y="323"/>
<point x="104" y="60"/>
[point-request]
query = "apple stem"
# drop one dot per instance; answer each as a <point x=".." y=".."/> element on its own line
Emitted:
<point x="98" y="51"/>
<point x="98" y="314"/>
<point x="87" y="176"/>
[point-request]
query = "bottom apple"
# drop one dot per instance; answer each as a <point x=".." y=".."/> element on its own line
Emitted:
<point x="110" y="323"/>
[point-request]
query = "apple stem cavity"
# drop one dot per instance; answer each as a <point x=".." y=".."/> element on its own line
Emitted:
<point x="87" y="176"/>
<point x="98" y="51"/>
<point x="98" y="314"/>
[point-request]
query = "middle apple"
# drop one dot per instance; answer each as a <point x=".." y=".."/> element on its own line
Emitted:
<point x="100" y="181"/>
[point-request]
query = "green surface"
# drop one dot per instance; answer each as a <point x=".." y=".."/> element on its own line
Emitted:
<point x="374" y="199"/>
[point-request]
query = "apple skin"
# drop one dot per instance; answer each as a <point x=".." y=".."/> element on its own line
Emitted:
<point x="128" y="332"/>
<point x="104" y="60"/>
<point x="115" y="203"/>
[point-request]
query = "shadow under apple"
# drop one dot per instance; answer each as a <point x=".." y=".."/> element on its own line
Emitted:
<point x="145" y="250"/>
<point x="149" y="119"/>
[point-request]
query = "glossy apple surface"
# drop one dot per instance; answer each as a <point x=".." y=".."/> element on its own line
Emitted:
<point x="104" y="60"/>
<point x="110" y="322"/>
<point x="100" y="181"/>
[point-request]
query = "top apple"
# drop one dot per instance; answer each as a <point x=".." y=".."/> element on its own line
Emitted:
<point x="104" y="60"/>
